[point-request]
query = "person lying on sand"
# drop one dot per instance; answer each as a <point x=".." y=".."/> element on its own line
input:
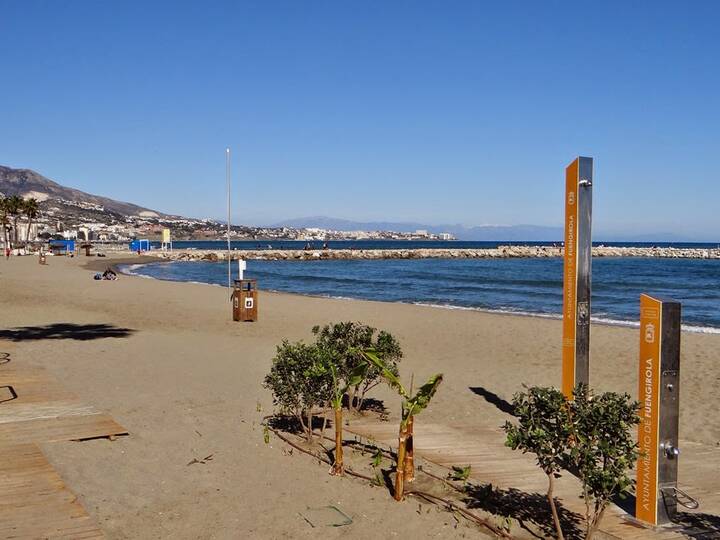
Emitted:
<point x="108" y="274"/>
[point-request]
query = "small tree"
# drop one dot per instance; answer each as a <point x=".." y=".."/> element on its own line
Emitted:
<point x="344" y="342"/>
<point x="602" y="449"/>
<point x="410" y="407"/>
<point x="544" y="430"/>
<point x="590" y="434"/>
<point x="299" y="381"/>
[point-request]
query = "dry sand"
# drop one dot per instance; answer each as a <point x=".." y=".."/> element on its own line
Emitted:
<point x="186" y="382"/>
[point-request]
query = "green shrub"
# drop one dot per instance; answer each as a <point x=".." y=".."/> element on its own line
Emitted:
<point x="589" y="435"/>
<point x="299" y="381"/>
<point x="544" y="429"/>
<point x="344" y="343"/>
<point x="602" y="450"/>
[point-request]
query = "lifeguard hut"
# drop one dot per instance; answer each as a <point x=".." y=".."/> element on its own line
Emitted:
<point x="166" y="240"/>
<point x="140" y="245"/>
<point x="62" y="247"/>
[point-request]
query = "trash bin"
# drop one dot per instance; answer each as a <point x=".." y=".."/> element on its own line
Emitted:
<point x="244" y="300"/>
<point x="42" y="259"/>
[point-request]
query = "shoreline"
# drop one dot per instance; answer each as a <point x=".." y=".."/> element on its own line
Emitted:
<point x="115" y="263"/>
<point x="121" y="266"/>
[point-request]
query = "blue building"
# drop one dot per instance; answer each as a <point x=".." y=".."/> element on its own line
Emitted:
<point x="140" y="245"/>
<point x="62" y="247"/>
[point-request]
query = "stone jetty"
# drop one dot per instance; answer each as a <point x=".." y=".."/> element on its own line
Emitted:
<point x="501" y="252"/>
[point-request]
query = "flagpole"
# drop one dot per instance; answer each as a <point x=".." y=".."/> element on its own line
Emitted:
<point x="227" y="177"/>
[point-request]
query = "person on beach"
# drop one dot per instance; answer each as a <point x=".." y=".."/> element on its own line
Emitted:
<point x="108" y="275"/>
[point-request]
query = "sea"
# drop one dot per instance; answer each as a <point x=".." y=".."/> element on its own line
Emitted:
<point x="530" y="286"/>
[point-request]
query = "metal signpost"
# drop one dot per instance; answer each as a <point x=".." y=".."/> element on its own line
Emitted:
<point x="227" y="179"/>
<point x="576" y="274"/>
<point x="659" y="396"/>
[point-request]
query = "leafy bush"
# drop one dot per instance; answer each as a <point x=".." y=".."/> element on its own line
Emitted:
<point x="299" y="381"/>
<point x="544" y="429"/>
<point x="590" y="435"/>
<point x="304" y="377"/>
<point x="602" y="450"/>
<point x="344" y="343"/>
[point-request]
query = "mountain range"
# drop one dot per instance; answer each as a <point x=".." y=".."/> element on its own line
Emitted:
<point x="483" y="232"/>
<point x="28" y="183"/>
<point x="75" y="204"/>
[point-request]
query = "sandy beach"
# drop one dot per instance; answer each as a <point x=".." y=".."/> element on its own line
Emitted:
<point x="185" y="381"/>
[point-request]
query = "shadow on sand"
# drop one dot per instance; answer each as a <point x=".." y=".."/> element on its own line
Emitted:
<point x="81" y="332"/>
<point x="698" y="525"/>
<point x="531" y="510"/>
<point x="493" y="399"/>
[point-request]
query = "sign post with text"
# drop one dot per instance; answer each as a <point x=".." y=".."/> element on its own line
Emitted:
<point x="658" y="393"/>
<point x="576" y="274"/>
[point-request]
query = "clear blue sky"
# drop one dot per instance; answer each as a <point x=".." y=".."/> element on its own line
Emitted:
<point x="439" y="112"/>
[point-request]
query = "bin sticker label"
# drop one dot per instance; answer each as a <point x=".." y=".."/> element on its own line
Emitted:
<point x="248" y="303"/>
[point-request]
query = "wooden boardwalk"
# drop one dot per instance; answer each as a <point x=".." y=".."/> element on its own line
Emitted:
<point x="519" y="485"/>
<point x="34" y="407"/>
<point x="34" y="501"/>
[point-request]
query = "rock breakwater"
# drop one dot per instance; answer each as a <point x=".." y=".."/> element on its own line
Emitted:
<point x="501" y="252"/>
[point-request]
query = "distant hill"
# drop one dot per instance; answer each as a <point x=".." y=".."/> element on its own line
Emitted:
<point x="483" y="232"/>
<point x="28" y="183"/>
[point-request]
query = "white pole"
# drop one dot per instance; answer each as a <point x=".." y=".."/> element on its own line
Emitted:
<point x="242" y="265"/>
<point x="227" y="175"/>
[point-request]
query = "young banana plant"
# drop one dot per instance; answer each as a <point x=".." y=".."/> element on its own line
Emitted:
<point x="411" y="406"/>
<point x="356" y="377"/>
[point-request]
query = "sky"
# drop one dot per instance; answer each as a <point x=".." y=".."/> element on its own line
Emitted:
<point x="435" y="112"/>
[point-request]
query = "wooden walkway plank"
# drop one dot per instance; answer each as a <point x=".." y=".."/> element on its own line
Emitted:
<point x="66" y="428"/>
<point x="492" y="462"/>
<point x="34" y="501"/>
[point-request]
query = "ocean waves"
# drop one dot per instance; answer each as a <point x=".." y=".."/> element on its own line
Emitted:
<point x="516" y="286"/>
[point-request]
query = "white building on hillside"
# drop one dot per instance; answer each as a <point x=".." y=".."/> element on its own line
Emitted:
<point x="22" y="231"/>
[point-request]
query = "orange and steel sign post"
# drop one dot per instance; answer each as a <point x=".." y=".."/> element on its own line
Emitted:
<point x="658" y="393"/>
<point x="576" y="274"/>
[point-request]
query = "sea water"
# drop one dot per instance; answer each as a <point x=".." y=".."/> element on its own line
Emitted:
<point x="522" y="286"/>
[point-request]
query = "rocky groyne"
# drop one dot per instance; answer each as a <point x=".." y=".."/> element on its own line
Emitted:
<point x="501" y="252"/>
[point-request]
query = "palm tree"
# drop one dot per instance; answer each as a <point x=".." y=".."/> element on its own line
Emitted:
<point x="32" y="211"/>
<point x="14" y="209"/>
<point x="4" y="219"/>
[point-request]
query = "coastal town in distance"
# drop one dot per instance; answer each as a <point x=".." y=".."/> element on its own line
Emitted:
<point x="73" y="215"/>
